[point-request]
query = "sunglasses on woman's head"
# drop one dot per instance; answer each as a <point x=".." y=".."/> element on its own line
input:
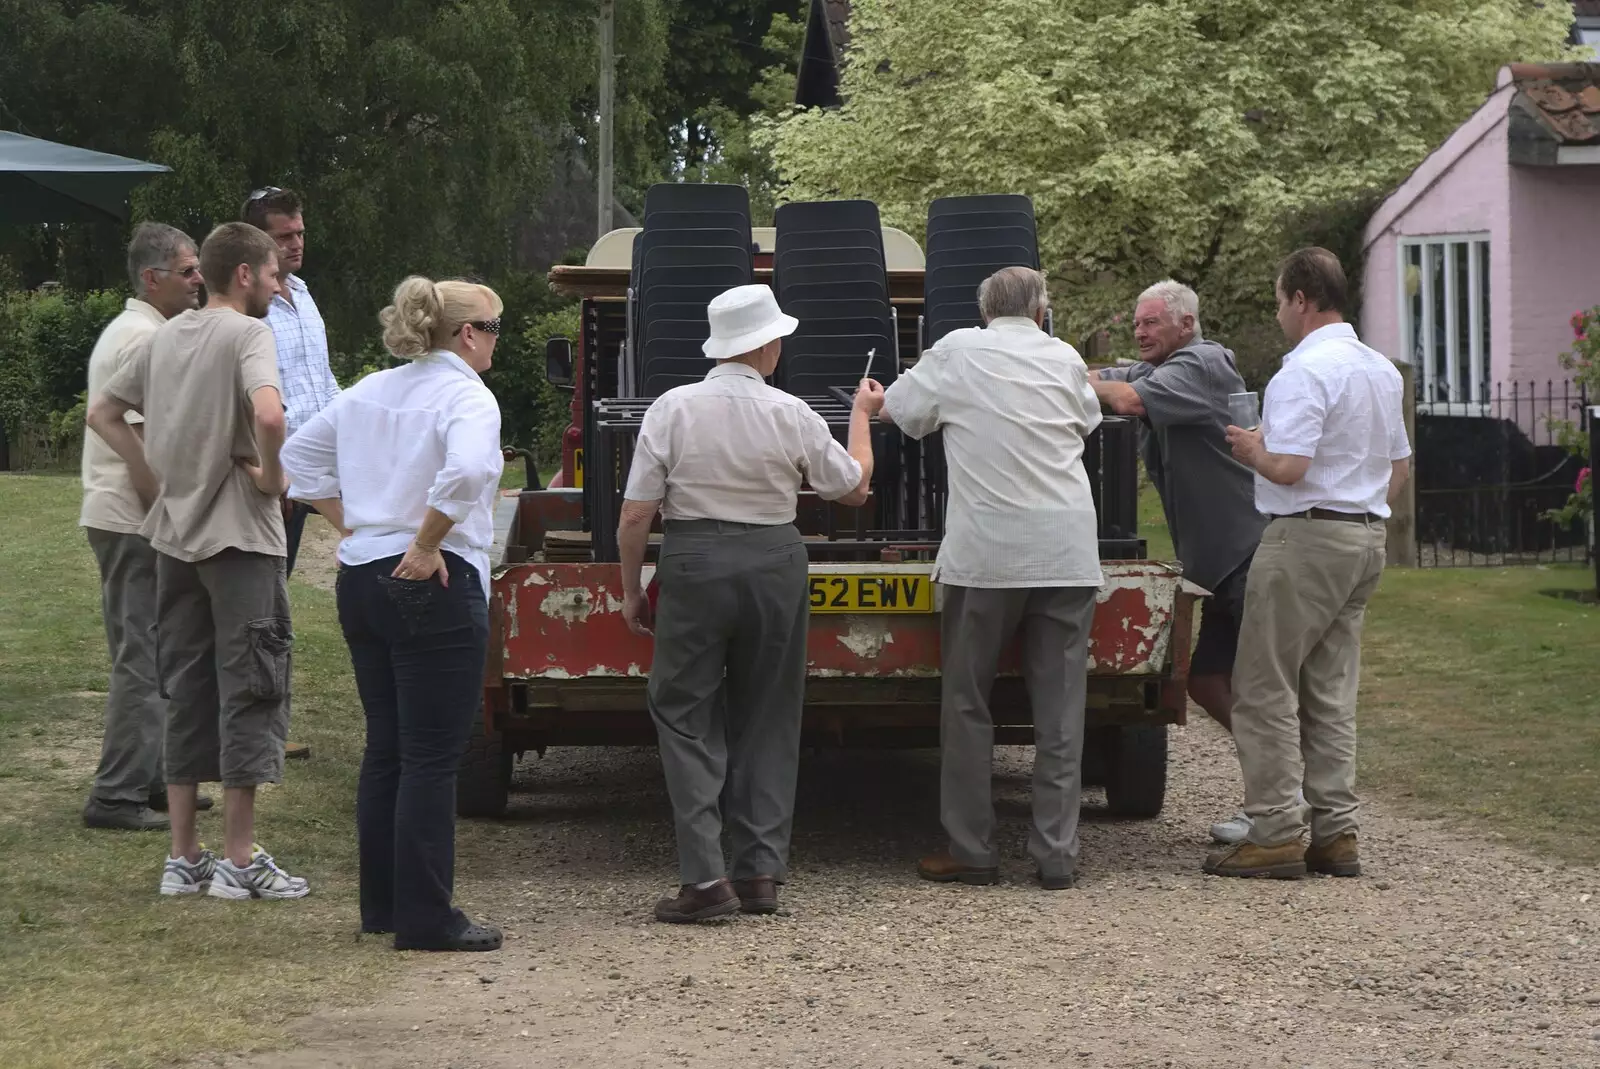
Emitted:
<point x="488" y="326"/>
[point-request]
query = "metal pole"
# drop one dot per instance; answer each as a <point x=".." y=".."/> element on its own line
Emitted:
<point x="1594" y="457"/>
<point x="608" y="73"/>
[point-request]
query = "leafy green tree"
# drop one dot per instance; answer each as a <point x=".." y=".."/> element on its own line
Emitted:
<point x="1186" y="137"/>
<point x="418" y="132"/>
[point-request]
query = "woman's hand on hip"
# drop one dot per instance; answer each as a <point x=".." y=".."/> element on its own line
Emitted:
<point x="422" y="562"/>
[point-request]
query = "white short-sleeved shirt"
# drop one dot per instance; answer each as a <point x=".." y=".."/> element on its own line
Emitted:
<point x="1340" y="403"/>
<point x="422" y="435"/>
<point x="110" y="503"/>
<point x="1015" y="405"/>
<point x="732" y="448"/>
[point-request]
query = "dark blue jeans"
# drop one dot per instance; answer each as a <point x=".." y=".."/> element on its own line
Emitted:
<point x="418" y="651"/>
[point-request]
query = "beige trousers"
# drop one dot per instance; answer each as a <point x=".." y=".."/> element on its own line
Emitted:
<point x="1295" y="678"/>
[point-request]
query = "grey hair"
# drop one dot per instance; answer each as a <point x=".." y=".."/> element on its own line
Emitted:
<point x="1179" y="300"/>
<point x="1012" y="291"/>
<point x="154" y="245"/>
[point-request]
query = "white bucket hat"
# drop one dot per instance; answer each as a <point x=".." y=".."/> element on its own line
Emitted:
<point x="744" y="319"/>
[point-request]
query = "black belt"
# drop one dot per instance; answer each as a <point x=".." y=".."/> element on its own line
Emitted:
<point x="1330" y="514"/>
<point x="718" y="526"/>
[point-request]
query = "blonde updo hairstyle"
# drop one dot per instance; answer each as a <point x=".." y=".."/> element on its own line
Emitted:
<point x="425" y="315"/>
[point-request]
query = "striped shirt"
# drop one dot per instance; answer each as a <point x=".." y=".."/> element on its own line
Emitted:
<point x="308" y="382"/>
<point x="1015" y="405"/>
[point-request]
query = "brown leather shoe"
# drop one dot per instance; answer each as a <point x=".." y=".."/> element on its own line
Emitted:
<point x="297" y="751"/>
<point x="758" y="894"/>
<point x="942" y="868"/>
<point x="1336" y="857"/>
<point x="1283" y="862"/>
<point x="693" y="904"/>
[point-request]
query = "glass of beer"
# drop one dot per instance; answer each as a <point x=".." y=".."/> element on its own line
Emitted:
<point x="1244" y="409"/>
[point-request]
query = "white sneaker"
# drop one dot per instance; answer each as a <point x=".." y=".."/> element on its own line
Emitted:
<point x="180" y="877"/>
<point x="1237" y="828"/>
<point x="262" y="878"/>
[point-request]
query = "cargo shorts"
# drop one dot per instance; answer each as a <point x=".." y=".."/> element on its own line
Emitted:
<point x="222" y="645"/>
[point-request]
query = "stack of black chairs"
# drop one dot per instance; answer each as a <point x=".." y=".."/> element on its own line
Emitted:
<point x="695" y="244"/>
<point x="969" y="239"/>
<point x="828" y="272"/>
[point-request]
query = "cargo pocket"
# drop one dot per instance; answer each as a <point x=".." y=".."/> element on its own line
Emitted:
<point x="270" y="641"/>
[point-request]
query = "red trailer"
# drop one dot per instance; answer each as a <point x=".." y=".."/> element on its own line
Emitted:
<point x="564" y="670"/>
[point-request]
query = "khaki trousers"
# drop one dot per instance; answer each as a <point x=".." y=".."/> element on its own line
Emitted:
<point x="1295" y="679"/>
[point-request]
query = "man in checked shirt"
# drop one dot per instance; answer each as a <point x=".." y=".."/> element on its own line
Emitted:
<point x="302" y="340"/>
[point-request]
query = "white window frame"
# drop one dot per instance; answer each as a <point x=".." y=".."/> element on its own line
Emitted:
<point x="1587" y="26"/>
<point x="1466" y="399"/>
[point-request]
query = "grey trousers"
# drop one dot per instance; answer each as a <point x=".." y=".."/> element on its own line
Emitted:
<point x="225" y="640"/>
<point x="975" y="627"/>
<point x="136" y="715"/>
<point x="727" y="684"/>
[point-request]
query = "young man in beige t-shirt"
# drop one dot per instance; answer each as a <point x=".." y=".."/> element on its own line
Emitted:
<point x="208" y="465"/>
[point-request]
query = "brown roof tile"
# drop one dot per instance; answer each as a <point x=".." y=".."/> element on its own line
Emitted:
<point x="1561" y="96"/>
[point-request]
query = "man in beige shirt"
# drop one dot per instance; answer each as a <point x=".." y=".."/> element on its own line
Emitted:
<point x="129" y="789"/>
<point x="208" y="388"/>
<point x="1020" y="558"/>
<point x="723" y="460"/>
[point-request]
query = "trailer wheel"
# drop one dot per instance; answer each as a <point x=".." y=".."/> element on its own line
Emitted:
<point x="483" y="780"/>
<point x="1136" y="770"/>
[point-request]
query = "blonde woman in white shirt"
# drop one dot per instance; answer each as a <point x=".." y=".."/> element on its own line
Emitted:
<point x="406" y="464"/>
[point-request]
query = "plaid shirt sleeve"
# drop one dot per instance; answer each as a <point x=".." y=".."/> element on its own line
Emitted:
<point x="304" y="373"/>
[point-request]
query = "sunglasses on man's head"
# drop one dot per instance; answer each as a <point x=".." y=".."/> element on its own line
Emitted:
<point x="265" y="191"/>
<point x="488" y="326"/>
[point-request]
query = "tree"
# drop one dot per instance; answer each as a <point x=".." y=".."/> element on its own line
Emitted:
<point x="1187" y="137"/>
<point x="419" y="133"/>
<point x="719" y="49"/>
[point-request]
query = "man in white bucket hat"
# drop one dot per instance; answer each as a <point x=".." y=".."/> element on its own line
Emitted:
<point x="723" y="460"/>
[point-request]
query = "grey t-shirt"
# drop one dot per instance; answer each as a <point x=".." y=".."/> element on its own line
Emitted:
<point x="1208" y="496"/>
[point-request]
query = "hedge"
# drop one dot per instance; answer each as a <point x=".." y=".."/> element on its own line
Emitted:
<point x="46" y="338"/>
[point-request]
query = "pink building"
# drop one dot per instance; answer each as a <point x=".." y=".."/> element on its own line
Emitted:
<point x="1476" y="263"/>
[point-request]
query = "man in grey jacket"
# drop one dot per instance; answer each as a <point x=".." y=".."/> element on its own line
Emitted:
<point x="1179" y="389"/>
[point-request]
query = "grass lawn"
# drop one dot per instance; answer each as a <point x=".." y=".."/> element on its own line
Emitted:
<point x="95" y="967"/>
<point x="1479" y="700"/>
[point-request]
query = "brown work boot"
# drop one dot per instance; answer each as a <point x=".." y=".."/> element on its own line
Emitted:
<point x="758" y="894"/>
<point x="1286" y="861"/>
<point x="693" y="904"/>
<point x="1336" y="857"/>
<point x="942" y="868"/>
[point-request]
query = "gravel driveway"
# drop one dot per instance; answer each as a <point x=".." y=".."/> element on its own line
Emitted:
<point x="1450" y="951"/>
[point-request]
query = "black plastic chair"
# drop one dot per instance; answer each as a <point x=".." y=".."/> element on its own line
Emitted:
<point x="982" y="202"/>
<point x="696" y="197"/>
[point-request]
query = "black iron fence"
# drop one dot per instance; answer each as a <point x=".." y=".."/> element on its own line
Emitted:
<point x="1490" y="468"/>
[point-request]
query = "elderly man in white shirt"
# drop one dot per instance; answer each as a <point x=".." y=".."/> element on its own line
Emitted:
<point x="723" y="460"/>
<point x="1330" y="457"/>
<point x="1020" y="555"/>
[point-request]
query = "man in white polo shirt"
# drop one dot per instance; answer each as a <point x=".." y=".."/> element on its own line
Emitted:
<point x="130" y="789"/>
<point x="1330" y="456"/>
